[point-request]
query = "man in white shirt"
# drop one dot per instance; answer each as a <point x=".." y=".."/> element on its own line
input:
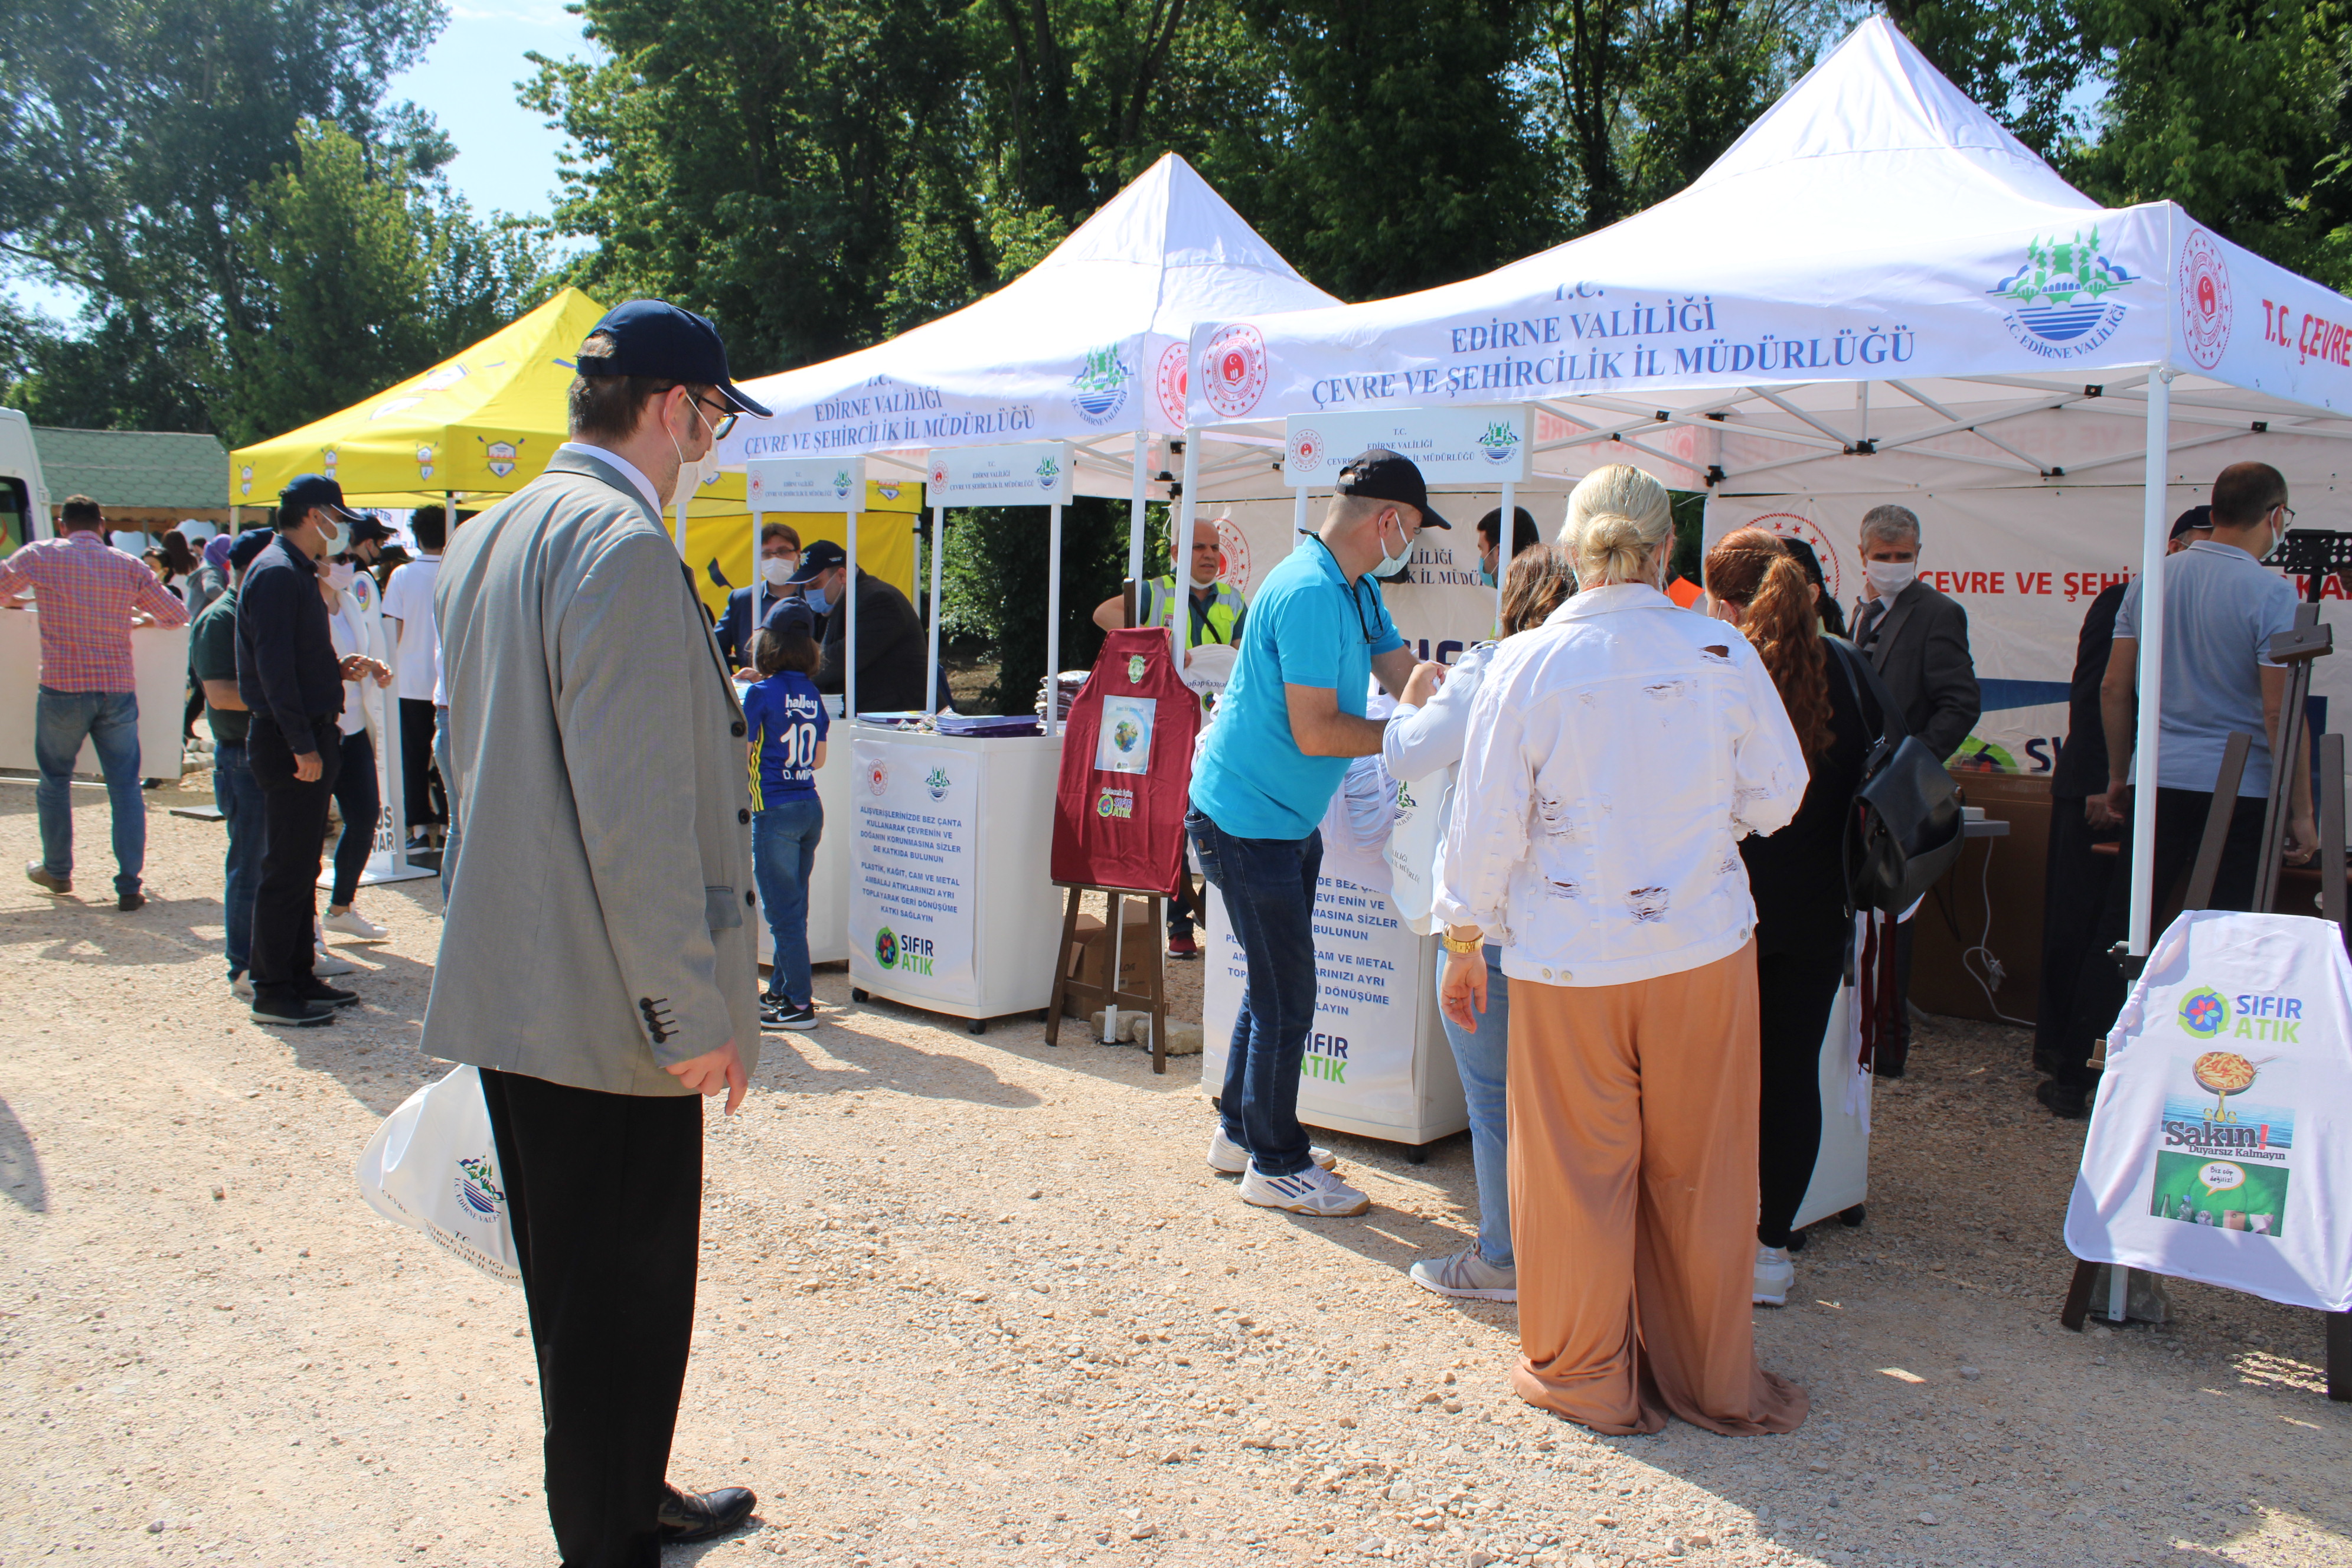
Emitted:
<point x="408" y="611"/>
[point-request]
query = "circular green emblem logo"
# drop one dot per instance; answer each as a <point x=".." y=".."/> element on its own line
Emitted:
<point x="885" y="948"/>
<point x="2204" y="1013"/>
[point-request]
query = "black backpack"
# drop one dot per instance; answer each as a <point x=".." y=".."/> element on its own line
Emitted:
<point x="1904" y="829"/>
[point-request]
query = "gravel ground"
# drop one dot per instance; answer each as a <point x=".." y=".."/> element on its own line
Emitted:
<point x="974" y="1301"/>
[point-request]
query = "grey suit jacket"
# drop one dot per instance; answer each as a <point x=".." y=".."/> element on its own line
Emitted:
<point x="600" y="922"/>
<point x="1922" y="651"/>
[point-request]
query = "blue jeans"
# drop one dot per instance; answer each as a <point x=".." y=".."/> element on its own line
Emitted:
<point x="1482" y="1055"/>
<point x="783" y="852"/>
<point x="1269" y="888"/>
<point x="109" y="719"/>
<point x="239" y="799"/>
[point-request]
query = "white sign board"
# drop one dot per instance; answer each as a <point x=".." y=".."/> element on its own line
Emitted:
<point x="1474" y="445"/>
<point x="1034" y="473"/>
<point x="2220" y="1145"/>
<point x="805" y="484"/>
<point x="915" y="812"/>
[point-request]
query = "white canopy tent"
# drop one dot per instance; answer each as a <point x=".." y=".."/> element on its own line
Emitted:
<point x="1875" y="291"/>
<point x="1088" y="346"/>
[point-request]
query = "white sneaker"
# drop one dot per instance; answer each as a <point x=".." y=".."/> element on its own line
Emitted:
<point x="324" y="962"/>
<point x="1314" y="1191"/>
<point x="352" y="923"/>
<point x="1466" y="1274"/>
<point x="1774" y="1275"/>
<point x="242" y="987"/>
<point x="1228" y="1158"/>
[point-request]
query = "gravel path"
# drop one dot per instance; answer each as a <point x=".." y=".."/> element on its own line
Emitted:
<point x="973" y="1300"/>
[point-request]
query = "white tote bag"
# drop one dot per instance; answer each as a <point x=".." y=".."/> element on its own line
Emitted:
<point x="434" y="1167"/>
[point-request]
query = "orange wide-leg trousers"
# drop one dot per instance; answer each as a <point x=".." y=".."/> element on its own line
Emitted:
<point x="1633" y="1139"/>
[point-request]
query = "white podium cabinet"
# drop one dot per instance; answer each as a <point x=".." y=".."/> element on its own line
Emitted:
<point x="1377" y="1063"/>
<point x="159" y="657"/>
<point x="951" y="904"/>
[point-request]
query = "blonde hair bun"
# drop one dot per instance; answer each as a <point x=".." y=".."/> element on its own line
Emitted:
<point x="1641" y="515"/>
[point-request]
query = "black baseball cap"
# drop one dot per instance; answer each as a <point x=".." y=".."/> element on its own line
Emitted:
<point x="790" y="617"/>
<point x="368" y="528"/>
<point x="313" y="489"/>
<point x="1389" y="476"/>
<point x="655" y="338"/>
<point x="2189" y="521"/>
<point x="819" y="557"/>
<point x="250" y="543"/>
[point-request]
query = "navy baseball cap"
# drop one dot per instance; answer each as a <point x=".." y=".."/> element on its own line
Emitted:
<point x="820" y="556"/>
<point x="790" y="617"/>
<point x="1384" y="475"/>
<point x="2195" y="517"/>
<point x="655" y="338"/>
<point x="314" y="489"/>
<point x="248" y="544"/>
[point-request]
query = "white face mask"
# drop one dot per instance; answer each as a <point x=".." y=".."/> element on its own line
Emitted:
<point x="776" y="571"/>
<point x="340" y="574"/>
<point x="330" y="536"/>
<point x="1890" y="577"/>
<point x="1392" y="564"/>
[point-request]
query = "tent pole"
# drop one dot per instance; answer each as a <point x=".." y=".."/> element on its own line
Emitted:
<point x="1182" y="540"/>
<point x="1135" y="502"/>
<point x="1506" y="547"/>
<point x="932" y="664"/>
<point x="849" y="630"/>
<point x="2151" y="659"/>
<point x="753" y="629"/>
<point x="1297" y="519"/>
<point x="1054" y="625"/>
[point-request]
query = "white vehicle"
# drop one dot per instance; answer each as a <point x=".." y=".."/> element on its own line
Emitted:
<point x="24" y="498"/>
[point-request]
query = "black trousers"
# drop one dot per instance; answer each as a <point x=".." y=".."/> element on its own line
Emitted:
<point x="2180" y="827"/>
<point x="285" y="900"/>
<point x="605" y="1194"/>
<point x="2073" y="891"/>
<point x="1794" y="993"/>
<point x="361" y="804"/>
<point x="416" y="762"/>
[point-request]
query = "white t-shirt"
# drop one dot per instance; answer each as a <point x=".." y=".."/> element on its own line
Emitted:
<point x="408" y="599"/>
<point x="345" y="625"/>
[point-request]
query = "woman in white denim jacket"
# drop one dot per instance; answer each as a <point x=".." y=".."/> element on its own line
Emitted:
<point x="1616" y="757"/>
<point x="1423" y="743"/>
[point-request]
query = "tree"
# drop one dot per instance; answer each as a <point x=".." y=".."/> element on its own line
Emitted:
<point x="2021" y="60"/>
<point x="360" y="275"/>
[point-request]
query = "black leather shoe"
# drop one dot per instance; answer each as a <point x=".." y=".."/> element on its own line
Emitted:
<point x="131" y="901"/>
<point x="689" y="1517"/>
<point x="332" y="995"/>
<point x="2070" y="1100"/>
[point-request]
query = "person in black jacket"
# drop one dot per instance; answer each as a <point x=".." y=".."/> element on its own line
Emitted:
<point x="747" y="607"/>
<point x="890" y="649"/>
<point x="1796" y="876"/>
<point x="289" y="675"/>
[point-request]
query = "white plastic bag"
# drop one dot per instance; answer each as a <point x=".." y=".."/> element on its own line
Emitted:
<point x="434" y="1167"/>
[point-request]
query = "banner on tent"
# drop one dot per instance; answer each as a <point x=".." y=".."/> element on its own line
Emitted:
<point x="1034" y="473"/>
<point x="911" y="901"/>
<point x="1449" y="446"/>
<point x="2025" y="565"/>
<point x="1440" y="608"/>
<point x="784" y="484"/>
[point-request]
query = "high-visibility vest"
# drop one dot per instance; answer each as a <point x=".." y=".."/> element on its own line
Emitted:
<point x="1217" y="625"/>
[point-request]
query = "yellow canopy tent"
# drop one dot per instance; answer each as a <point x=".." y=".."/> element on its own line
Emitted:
<point x="483" y="423"/>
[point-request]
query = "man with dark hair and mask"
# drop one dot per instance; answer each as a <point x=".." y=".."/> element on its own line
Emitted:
<point x="891" y="653"/>
<point x="747" y="607"/>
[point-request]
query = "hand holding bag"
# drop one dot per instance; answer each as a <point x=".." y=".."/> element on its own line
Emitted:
<point x="434" y="1167"/>
<point x="1903" y="830"/>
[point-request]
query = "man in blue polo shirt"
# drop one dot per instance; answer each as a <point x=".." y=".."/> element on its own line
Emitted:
<point x="1285" y="728"/>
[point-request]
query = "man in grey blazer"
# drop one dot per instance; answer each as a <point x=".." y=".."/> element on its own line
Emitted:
<point x="1919" y="641"/>
<point x="601" y="968"/>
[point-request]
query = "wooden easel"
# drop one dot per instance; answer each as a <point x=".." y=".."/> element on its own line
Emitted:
<point x="1091" y="997"/>
<point x="2297" y="649"/>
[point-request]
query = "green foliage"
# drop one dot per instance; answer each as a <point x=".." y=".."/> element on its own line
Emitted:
<point x="2237" y="111"/>
<point x="2020" y="58"/>
<point x="996" y="577"/>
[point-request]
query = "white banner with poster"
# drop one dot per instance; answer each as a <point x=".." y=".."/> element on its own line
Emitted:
<point x="2220" y="1145"/>
<point x="1476" y="445"/>
<point x="911" y="907"/>
<point x="2025" y="564"/>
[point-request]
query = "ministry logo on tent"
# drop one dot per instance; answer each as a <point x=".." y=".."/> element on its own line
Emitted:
<point x="2059" y="299"/>
<point x="2205" y="307"/>
<point x="1170" y="382"/>
<point x="1101" y="386"/>
<point x="1232" y="371"/>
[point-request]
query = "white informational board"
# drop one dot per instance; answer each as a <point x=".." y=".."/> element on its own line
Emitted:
<point x="949" y="840"/>
<point x="828" y="907"/>
<point x="1377" y="1063"/>
<point x="1034" y="473"/>
<point x="159" y="658"/>
<point x="2219" y="1140"/>
<point x="1470" y="445"/>
<point x="804" y="484"/>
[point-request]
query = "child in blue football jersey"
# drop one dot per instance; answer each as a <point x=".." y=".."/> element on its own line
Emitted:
<point x="788" y="721"/>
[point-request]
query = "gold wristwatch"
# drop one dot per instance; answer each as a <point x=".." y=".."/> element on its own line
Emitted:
<point x="1456" y="944"/>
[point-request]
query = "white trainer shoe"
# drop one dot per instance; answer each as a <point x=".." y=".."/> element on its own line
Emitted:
<point x="1774" y="1275"/>
<point x="354" y="924"/>
<point x="242" y="987"/>
<point x="1467" y="1275"/>
<point x="324" y="963"/>
<point x="1228" y="1158"/>
<point x="1315" y="1192"/>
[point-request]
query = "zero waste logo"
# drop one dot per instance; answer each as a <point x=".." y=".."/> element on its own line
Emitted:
<point x="1101" y="385"/>
<point x="2204" y="1013"/>
<point x="2058" y="300"/>
<point x="885" y="948"/>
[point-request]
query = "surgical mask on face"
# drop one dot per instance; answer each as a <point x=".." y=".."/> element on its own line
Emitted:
<point x="340" y="574"/>
<point x="1890" y="577"/>
<point x="330" y="536"/>
<point x="1393" y="563"/>
<point x="1486" y="576"/>
<point x="776" y="571"/>
<point x="816" y="599"/>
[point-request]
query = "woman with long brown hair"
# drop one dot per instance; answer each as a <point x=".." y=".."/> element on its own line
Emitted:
<point x="1796" y="875"/>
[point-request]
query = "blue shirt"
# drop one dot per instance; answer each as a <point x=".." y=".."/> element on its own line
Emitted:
<point x="1307" y="626"/>
<point x="2220" y="609"/>
<point x="788" y="720"/>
